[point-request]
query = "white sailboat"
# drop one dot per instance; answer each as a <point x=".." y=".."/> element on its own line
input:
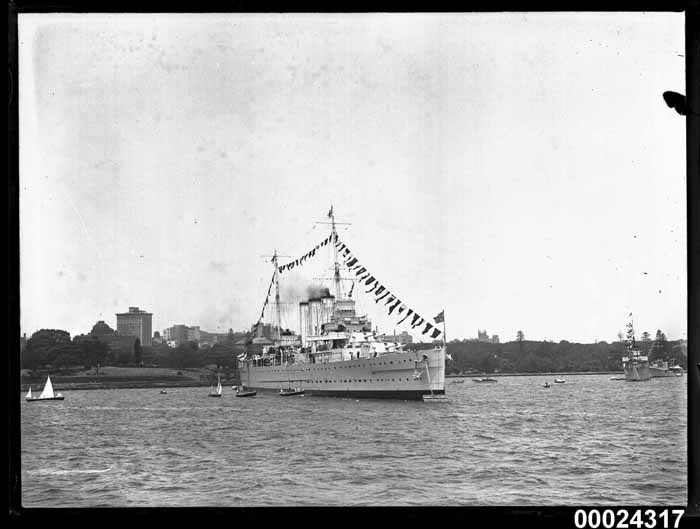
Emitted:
<point x="47" y="394"/>
<point x="218" y="391"/>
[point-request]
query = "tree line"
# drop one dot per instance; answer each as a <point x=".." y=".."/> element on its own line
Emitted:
<point x="526" y="356"/>
<point x="53" y="348"/>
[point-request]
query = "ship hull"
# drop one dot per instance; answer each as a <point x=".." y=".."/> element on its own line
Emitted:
<point x="637" y="373"/>
<point x="657" y="372"/>
<point x="400" y="375"/>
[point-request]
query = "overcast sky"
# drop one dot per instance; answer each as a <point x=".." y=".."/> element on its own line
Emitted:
<point x="520" y="171"/>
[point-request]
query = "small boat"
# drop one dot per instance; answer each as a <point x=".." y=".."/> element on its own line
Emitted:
<point x="47" y="394"/>
<point x="216" y="393"/>
<point x="291" y="391"/>
<point x="163" y="392"/>
<point x="617" y="378"/>
<point x="234" y="388"/>
<point x="559" y="380"/>
<point x="546" y="385"/>
<point x="461" y="381"/>
<point x="243" y="392"/>
<point x="484" y="379"/>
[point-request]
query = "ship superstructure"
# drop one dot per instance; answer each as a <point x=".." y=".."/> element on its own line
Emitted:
<point x="635" y="364"/>
<point x="337" y="353"/>
<point x="661" y="368"/>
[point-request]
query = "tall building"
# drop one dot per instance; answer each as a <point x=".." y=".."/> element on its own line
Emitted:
<point x="483" y="336"/>
<point x="180" y="334"/>
<point x="135" y="323"/>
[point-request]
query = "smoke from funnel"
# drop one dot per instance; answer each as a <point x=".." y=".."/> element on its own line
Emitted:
<point x="317" y="292"/>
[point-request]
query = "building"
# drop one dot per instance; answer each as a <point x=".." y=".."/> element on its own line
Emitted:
<point x="181" y="334"/>
<point x="176" y="335"/>
<point x="483" y="336"/>
<point x="136" y="323"/>
<point x="404" y="338"/>
<point x="104" y="333"/>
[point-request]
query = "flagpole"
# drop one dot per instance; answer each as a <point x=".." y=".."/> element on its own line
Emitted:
<point x="444" y="332"/>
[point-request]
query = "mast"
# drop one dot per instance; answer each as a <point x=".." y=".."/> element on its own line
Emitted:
<point x="444" y="331"/>
<point x="277" y="297"/>
<point x="630" y="333"/>
<point x="336" y="274"/>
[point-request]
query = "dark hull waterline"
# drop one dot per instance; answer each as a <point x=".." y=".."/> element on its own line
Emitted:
<point x="370" y="394"/>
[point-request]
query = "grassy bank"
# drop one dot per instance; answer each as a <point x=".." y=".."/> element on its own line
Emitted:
<point x="111" y="377"/>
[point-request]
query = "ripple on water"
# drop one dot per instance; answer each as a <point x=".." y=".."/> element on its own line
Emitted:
<point x="507" y="444"/>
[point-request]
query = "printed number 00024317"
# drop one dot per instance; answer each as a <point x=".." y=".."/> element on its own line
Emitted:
<point x="625" y="519"/>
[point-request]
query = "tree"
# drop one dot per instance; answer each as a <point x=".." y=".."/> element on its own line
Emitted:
<point x="661" y="345"/>
<point x="91" y="352"/>
<point x="47" y="346"/>
<point x="520" y="338"/>
<point x="646" y="342"/>
<point x="138" y="353"/>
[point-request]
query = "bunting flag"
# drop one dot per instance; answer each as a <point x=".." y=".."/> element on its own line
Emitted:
<point x="267" y="298"/>
<point x="381" y="297"/>
<point x="381" y="293"/>
<point x="410" y="311"/>
<point x="308" y="255"/>
<point x="351" y="289"/>
<point x="394" y="306"/>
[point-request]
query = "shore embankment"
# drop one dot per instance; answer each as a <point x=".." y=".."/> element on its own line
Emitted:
<point x="123" y="378"/>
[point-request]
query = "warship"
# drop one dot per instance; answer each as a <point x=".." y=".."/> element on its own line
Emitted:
<point x="336" y="352"/>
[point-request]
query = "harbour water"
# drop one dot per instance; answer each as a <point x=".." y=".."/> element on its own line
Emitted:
<point x="588" y="441"/>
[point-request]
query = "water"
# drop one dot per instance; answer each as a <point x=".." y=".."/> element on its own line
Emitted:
<point x="588" y="441"/>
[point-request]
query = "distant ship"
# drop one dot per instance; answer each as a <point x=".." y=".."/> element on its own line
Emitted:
<point x="337" y="354"/>
<point x="660" y="369"/>
<point x="635" y="364"/>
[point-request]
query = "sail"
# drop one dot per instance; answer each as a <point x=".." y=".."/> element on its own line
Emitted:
<point x="218" y="388"/>
<point x="29" y="393"/>
<point x="48" y="390"/>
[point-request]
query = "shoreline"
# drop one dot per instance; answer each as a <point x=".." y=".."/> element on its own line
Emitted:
<point x="552" y="374"/>
<point x="126" y="384"/>
<point x="136" y="383"/>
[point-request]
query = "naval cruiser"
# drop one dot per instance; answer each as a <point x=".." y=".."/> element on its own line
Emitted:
<point x="635" y="364"/>
<point x="337" y="353"/>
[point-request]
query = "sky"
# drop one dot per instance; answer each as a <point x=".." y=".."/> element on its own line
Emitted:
<point x="519" y="171"/>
